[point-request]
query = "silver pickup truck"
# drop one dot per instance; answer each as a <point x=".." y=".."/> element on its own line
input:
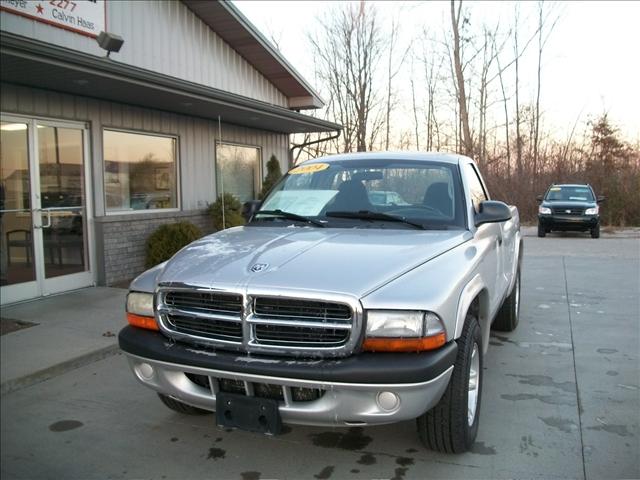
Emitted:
<point x="330" y="309"/>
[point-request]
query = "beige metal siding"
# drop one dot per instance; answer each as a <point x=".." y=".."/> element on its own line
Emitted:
<point x="196" y="137"/>
<point x="165" y="37"/>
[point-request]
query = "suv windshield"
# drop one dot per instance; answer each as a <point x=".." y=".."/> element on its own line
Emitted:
<point x="565" y="193"/>
<point x="369" y="193"/>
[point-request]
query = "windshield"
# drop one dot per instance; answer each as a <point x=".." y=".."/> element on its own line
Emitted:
<point x="365" y="193"/>
<point x="566" y="193"/>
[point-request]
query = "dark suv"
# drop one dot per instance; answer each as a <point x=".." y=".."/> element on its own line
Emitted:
<point x="569" y="207"/>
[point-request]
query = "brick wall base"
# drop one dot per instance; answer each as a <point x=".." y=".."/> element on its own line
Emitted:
<point x="121" y="241"/>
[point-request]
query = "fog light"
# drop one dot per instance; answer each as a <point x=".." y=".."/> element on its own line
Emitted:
<point x="144" y="371"/>
<point x="388" y="401"/>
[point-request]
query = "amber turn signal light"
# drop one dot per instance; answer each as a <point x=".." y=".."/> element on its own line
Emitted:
<point x="142" y="322"/>
<point x="380" y="344"/>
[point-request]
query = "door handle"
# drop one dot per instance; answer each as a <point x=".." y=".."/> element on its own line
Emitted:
<point x="48" y="212"/>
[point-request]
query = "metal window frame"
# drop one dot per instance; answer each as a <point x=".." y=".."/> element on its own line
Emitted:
<point x="178" y="172"/>
<point x="261" y="173"/>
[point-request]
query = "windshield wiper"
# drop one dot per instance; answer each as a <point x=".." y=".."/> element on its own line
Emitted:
<point x="369" y="215"/>
<point x="290" y="216"/>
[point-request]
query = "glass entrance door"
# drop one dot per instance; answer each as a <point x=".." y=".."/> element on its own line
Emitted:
<point x="43" y="229"/>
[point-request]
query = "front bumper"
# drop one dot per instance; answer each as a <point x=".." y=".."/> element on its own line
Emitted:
<point x="364" y="389"/>
<point x="568" y="222"/>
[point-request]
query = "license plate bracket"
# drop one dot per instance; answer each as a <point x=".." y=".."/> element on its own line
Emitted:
<point x="248" y="413"/>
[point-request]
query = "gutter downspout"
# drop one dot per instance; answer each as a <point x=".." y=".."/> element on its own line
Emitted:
<point x="305" y="144"/>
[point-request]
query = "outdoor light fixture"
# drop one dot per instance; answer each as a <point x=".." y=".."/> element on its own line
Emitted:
<point x="110" y="42"/>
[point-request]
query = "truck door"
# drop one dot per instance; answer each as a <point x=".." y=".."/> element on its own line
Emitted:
<point x="489" y="238"/>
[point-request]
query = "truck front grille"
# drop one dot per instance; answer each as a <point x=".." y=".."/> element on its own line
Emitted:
<point x="267" y="307"/>
<point x="301" y="336"/>
<point x="207" y="302"/>
<point x="567" y="211"/>
<point x="257" y="323"/>
<point x="219" y="329"/>
<point x="281" y="393"/>
<point x="286" y="322"/>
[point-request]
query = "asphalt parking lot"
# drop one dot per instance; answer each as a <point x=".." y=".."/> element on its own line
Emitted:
<point x="561" y="400"/>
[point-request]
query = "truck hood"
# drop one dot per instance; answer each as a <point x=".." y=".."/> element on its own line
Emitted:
<point x="348" y="261"/>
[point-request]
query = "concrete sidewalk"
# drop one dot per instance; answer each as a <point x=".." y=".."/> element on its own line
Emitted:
<point x="72" y="330"/>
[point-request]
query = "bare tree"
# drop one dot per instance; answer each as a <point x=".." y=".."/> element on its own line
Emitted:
<point x="432" y="62"/>
<point x="393" y="67"/>
<point x="416" y="122"/>
<point x="490" y="51"/>
<point x="467" y="141"/>
<point x="348" y="49"/>
<point x="542" y="40"/>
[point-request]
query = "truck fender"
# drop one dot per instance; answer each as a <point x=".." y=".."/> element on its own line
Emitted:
<point x="474" y="288"/>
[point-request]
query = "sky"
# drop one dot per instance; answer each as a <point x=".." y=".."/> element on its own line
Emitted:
<point x="590" y="64"/>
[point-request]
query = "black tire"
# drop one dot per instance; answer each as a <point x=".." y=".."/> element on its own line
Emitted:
<point x="509" y="314"/>
<point x="445" y="428"/>
<point x="541" y="231"/>
<point x="180" y="407"/>
<point x="595" y="231"/>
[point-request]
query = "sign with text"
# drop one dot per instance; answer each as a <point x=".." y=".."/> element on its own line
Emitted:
<point x="81" y="16"/>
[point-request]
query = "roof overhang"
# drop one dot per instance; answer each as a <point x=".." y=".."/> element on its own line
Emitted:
<point x="236" y="30"/>
<point x="25" y="61"/>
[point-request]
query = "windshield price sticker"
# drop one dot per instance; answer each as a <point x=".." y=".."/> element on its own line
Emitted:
<point x="313" y="168"/>
<point x="308" y="203"/>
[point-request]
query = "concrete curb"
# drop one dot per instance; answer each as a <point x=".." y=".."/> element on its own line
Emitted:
<point x="56" y="370"/>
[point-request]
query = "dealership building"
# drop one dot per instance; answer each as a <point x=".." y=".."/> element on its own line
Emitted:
<point x="101" y="143"/>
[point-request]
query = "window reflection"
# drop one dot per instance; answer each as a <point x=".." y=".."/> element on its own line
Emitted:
<point x="16" y="239"/>
<point x="238" y="171"/>
<point x="139" y="171"/>
<point x="61" y="162"/>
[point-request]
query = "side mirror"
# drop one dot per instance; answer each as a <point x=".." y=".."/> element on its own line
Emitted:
<point x="492" y="212"/>
<point x="540" y="198"/>
<point x="601" y="198"/>
<point x="249" y="208"/>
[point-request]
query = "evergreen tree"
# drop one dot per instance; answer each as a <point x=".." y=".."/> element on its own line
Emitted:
<point x="273" y="175"/>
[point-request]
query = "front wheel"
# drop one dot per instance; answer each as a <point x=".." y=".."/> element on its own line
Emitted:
<point x="541" y="231"/>
<point x="595" y="231"/>
<point x="452" y="425"/>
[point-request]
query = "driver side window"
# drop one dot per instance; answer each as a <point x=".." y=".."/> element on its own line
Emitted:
<point x="476" y="191"/>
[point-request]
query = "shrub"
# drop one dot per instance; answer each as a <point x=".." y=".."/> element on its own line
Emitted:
<point x="273" y="175"/>
<point x="168" y="239"/>
<point x="232" y="212"/>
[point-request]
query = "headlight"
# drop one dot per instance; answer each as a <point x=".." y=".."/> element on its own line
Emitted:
<point x="140" y="303"/>
<point x="395" y="323"/>
<point x="403" y="331"/>
<point x="592" y="211"/>
<point x="402" y="323"/>
<point x="544" y="210"/>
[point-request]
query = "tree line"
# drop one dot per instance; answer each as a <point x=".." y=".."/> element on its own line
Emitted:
<point x="460" y="89"/>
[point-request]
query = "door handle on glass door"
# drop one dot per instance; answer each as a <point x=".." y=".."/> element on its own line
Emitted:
<point x="48" y="212"/>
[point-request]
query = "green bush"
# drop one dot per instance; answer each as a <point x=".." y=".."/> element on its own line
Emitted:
<point x="273" y="175"/>
<point x="168" y="239"/>
<point x="232" y="212"/>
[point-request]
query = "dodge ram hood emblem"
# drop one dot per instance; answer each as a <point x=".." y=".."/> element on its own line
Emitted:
<point x="259" y="267"/>
<point x="567" y="211"/>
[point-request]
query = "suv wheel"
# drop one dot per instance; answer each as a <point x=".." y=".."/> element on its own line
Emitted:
<point x="452" y="425"/>
<point x="595" y="231"/>
<point x="180" y="407"/>
<point x="541" y="231"/>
